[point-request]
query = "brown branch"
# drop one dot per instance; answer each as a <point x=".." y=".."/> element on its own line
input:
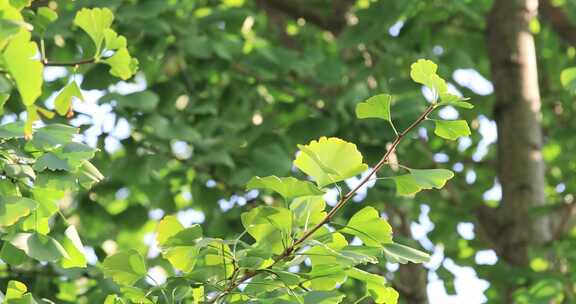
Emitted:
<point x="68" y="63"/>
<point x="343" y="200"/>
<point x="558" y="20"/>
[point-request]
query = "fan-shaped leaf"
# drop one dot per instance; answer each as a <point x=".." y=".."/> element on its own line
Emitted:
<point x="330" y="160"/>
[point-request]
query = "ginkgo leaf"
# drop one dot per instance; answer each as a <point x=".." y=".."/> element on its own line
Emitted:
<point x="125" y="267"/>
<point x="13" y="208"/>
<point x="375" y="285"/>
<point x="122" y="65"/>
<point x="453" y="100"/>
<point x="113" y="40"/>
<point x="330" y="160"/>
<point x="398" y="253"/>
<point x="369" y="227"/>
<point x="39" y="247"/>
<point x="73" y="246"/>
<point x="168" y="226"/>
<point x="375" y="107"/>
<point x="308" y="210"/>
<point x="94" y="22"/>
<point x="288" y="187"/>
<point x="63" y="101"/>
<point x="451" y="129"/>
<point x="419" y="179"/>
<point x="423" y="71"/>
<point x="15" y="291"/>
<point x="178" y="244"/>
<point x="269" y="224"/>
<point x="323" y="297"/>
<point x="20" y="58"/>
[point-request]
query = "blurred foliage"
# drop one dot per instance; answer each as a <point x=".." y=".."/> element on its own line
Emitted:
<point x="231" y="88"/>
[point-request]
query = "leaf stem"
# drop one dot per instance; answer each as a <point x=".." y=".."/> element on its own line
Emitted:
<point x="343" y="200"/>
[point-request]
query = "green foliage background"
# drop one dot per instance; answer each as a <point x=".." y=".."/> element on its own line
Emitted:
<point x="232" y="88"/>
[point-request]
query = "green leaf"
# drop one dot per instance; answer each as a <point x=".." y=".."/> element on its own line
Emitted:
<point x="269" y="225"/>
<point x="329" y="160"/>
<point x="369" y="227"/>
<point x="17" y="293"/>
<point x="288" y="187"/>
<point x="13" y="208"/>
<point x="39" y="247"/>
<point x="375" y="107"/>
<point x="113" y="40"/>
<point x="398" y="253"/>
<point x="423" y="71"/>
<point x="52" y="162"/>
<point x="168" y="227"/>
<point x="375" y="285"/>
<point x="417" y="180"/>
<point x="568" y="79"/>
<point x="125" y="267"/>
<point x="451" y="129"/>
<point x="308" y="210"/>
<point x="94" y="22"/>
<point x="73" y="246"/>
<point x="53" y="135"/>
<point x="453" y="100"/>
<point x="12" y="255"/>
<point x="26" y="71"/>
<point x="12" y="130"/>
<point x="44" y="16"/>
<point x="63" y="101"/>
<point x="323" y="297"/>
<point x="122" y="65"/>
<point x="178" y="244"/>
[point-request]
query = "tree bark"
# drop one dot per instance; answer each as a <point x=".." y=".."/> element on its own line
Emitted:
<point x="520" y="166"/>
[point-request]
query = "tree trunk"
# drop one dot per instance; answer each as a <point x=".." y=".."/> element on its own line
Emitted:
<point x="520" y="165"/>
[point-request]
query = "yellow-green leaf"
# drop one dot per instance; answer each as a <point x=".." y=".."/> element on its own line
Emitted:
<point x="94" y="22"/>
<point x="125" y="267"/>
<point x="288" y="187"/>
<point x="63" y="101"/>
<point x="20" y="61"/>
<point x="73" y="246"/>
<point x="369" y="227"/>
<point x="417" y="180"/>
<point x="330" y="160"/>
<point x="13" y="208"/>
<point x="122" y="65"/>
<point x="451" y="129"/>
<point x="423" y="71"/>
<point x="375" y="107"/>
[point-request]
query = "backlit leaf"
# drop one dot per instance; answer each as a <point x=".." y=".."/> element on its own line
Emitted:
<point x="125" y="267"/>
<point x="21" y="62"/>
<point x="369" y="227"/>
<point x="398" y="253"/>
<point x="330" y="160"/>
<point x="419" y="179"/>
<point x="94" y="22"/>
<point x="39" y="247"/>
<point x="451" y="129"/>
<point x="288" y="187"/>
<point x="63" y="101"/>
<point x="375" y="107"/>
<point x="13" y="208"/>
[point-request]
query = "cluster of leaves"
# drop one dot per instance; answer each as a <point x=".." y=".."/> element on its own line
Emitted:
<point x="269" y="268"/>
<point x="22" y="68"/>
